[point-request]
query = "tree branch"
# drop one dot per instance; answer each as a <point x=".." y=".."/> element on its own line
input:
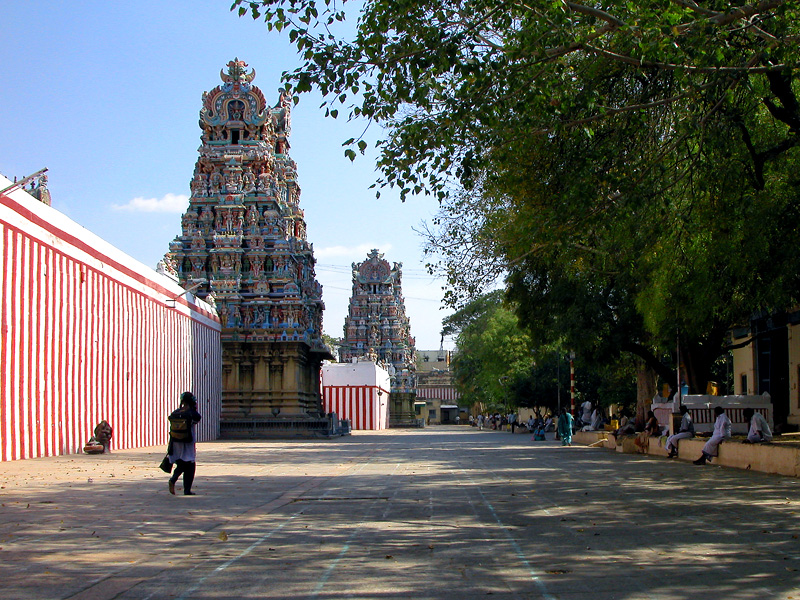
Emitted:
<point x="594" y="12"/>
<point x="649" y="359"/>
<point x="696" y="8"/>
<point x="676" y="67"/>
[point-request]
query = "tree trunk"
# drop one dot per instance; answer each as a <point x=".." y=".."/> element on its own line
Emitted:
<point x="698" y="358"/>
<point x="646" y="385"/>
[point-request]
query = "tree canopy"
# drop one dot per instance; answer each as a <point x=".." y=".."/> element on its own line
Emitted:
<point x="632" y="166"/>
<point x="453" y="80"/>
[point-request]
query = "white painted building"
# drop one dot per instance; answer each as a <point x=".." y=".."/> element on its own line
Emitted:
<point x="357" y="391"/>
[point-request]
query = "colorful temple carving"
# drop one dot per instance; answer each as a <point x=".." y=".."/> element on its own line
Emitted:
<point x="243" y="242"/>
<point x="377" y="327"/>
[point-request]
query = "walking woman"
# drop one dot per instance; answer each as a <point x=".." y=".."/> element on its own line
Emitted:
<point x="565" y="427"/>
<point x="182" y="443"/>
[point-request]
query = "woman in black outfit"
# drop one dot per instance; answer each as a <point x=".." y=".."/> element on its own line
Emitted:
<point x="183" y="453"/>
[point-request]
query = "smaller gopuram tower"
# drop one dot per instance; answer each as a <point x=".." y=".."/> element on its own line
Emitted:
<point x="377" y="327"/>
<point x="243" y="242"/>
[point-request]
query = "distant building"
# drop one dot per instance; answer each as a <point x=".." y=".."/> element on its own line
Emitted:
<point x="243" y="246"/>
<point x="437" y="397"/>
<point x="433" y="360"/>
<point x="377" y="327"/>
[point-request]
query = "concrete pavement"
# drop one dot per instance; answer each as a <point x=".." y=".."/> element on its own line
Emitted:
<point x="443" y="512"/>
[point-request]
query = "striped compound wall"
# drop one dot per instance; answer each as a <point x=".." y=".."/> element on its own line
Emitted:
<point x="366" y="407"/>
<point x="87" y="334"/>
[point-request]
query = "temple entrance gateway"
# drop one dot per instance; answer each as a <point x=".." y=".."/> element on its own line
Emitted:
<point x="243" y="245"/>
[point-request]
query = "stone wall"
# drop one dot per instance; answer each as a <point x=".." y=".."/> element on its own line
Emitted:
<point x="767" y="458"/>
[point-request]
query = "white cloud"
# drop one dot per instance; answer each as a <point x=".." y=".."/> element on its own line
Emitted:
<point x="356" y="253"/>
<point x="171" y="203"/>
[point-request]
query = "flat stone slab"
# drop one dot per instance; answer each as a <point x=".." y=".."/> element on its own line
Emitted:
<point x="440" y="512"/>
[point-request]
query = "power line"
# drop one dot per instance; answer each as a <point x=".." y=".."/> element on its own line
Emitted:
<point x="327" y="287"/>
<point x="347" y="269"/>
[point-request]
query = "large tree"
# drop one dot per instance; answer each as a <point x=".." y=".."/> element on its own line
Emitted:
<point x="497" y="364"/>
<point x="453" y="80"/>
<point x="646" y="151"/>
<point x="493" y="354"/>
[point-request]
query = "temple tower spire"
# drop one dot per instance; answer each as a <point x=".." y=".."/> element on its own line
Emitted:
<point x="244" y="236"/>
<point x="377" y="327"/>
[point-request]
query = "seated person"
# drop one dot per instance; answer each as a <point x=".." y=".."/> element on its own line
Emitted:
<point x="759" y="428"/>
<point x="103" y="434"/>
<point x="626" y="425"/>
<point x="686" y="430"/>
<point x="548" y="423"/>
<point x="598" y="419"/>
<point x="651" y="429"/>
<point x="722" y="432"/>
<point x="651" y="426"/>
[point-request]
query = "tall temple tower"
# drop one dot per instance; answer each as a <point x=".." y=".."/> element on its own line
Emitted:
<point x="243" y="242"/>
<point x="377" y="327"/>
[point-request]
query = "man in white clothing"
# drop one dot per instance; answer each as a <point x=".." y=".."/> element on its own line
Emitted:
<point x="586" y="415"/>
<point x="686" y="430"/>
<point x="759" y="428"/>
<point x="597" y="419"/>
<point x="722" y="431"/>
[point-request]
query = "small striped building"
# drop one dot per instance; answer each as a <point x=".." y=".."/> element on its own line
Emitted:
<point x="358" y="392"/>
<point x="89" y="333"/>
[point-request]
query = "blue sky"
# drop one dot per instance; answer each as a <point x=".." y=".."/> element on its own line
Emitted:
<point x="106" y="96"/>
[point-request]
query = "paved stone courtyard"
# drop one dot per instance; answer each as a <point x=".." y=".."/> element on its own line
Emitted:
<point x="443" y="512"/>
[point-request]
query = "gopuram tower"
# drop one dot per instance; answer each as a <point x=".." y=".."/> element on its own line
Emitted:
<point x="243" y="241"/>
<point x="377" y="328"/>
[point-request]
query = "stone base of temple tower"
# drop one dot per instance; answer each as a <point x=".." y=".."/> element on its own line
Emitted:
<point x="401" y="410"/>
<point x="271" y="390"/>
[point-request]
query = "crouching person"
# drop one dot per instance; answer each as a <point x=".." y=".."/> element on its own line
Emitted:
<point x="722" y="432"/>
<point x="759" y="428"/>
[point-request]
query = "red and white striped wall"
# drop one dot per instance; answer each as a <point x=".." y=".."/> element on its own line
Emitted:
<point x="445" y="393"/>
<point x="367" y="407"/>
<point x="87" y="335"/>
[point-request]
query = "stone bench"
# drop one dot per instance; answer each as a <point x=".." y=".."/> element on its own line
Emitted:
<point x="591" y="438"/>
<point x="766" y="458"/>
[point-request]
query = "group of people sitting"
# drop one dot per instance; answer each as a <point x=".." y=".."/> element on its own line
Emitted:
<point x="536" y="424"/>
<point x="758" y="431"/>
<point x="593" y="419"/>
<point x="590" y="418"/>
<point x="538" y="427"/>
